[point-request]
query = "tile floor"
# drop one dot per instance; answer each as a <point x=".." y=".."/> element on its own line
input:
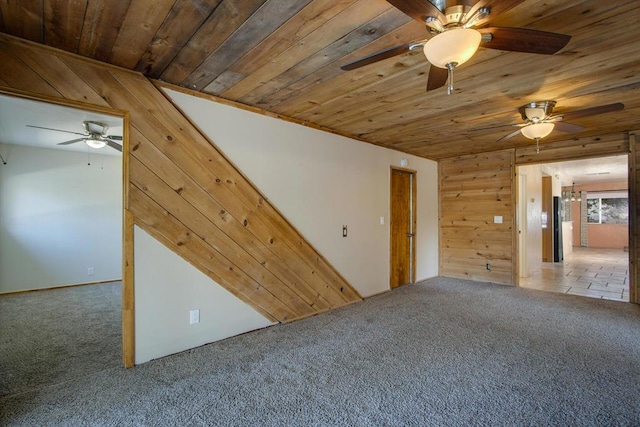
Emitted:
<point x="590" y="272"/>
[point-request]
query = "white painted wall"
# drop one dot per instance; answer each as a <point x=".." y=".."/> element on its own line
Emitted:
<point x="58" y="217"/>
<point x="167" y="288"/>
<point x="320" y="182"/>
<point x="532" y="232"/>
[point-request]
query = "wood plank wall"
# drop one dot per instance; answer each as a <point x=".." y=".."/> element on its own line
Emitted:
<point x="634" y="218"/>
<point x="475" y="188"/>
<point x="472" y="190"/>
<point x="184" y="192"/>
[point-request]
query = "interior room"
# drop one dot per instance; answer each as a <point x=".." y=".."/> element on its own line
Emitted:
<point x="362" y="212"/>
<point x="591" y="256"/>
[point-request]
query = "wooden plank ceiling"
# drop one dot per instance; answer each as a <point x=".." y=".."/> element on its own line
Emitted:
<point x="284" y="56"/>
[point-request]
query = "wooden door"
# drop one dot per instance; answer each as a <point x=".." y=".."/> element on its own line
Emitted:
<point x="402" y="223"/>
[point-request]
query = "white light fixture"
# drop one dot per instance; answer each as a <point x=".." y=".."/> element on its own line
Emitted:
<point x="95" y="142"/>
<point x="452" y="48"/>
<point x="535" y="114"/>
<point x="456" y="46"/>
<point x="537" y="130"/>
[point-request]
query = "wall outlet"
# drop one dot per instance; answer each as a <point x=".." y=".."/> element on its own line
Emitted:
<point x="381" y="220"/>
<point x="488" y="266"/>
<point x="90" y="271"/>
<point x="194" y="317"/>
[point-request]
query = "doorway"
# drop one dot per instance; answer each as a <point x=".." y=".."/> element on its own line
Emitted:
<point x="594" y="242"/>
<point x="403" y="227"/>
<point x="61" y="236"/>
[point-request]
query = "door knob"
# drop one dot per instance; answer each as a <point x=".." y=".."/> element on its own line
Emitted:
<point x="409" y="234"/>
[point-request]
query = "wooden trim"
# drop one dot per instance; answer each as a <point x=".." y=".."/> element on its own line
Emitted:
<point x="128" y="262"/>
<point x="414" y="215"/>
<point x="128" y="292"/>
<point x="52" y="288"/>
<point x="400" y="168"/>
<point x="63" y="102"/>
<point x="128" y="353"/>
<point x="634" y="296"/>
<point x="515" y="190"/>
<point x="440" y="238"/>
<point x="414" y="210"/>
<point x="574" y="149"/>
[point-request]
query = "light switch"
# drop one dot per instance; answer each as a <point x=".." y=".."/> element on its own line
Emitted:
<point x="497" y="219"/>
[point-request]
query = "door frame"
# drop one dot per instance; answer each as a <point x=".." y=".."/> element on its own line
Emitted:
<point x="521" y="224"/>
<point x="128" y="304"/>
<point x="630" y="152"/>
<point x="413" y="204"/>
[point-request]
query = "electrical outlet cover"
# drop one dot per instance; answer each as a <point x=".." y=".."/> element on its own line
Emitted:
<point x="194" y="316"/>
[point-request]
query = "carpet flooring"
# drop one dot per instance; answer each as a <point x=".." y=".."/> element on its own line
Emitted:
<point x="442" y="352"/>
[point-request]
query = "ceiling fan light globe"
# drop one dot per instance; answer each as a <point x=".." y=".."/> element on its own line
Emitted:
<point x="535" y="114"/>
<point x="456" y="45"/>
<point x="95" y="143"/>
<point x="537" y="130"/>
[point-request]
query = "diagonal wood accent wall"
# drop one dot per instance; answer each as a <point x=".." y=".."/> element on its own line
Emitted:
<point x="184" y="192"/>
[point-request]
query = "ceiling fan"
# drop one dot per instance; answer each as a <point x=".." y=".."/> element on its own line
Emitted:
<point x="95" y="135"/>
<point x="539" y="121"/>
<point x="455" y="39"/>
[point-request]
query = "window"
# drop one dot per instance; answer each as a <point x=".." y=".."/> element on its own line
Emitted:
<point x="608" y="208"/>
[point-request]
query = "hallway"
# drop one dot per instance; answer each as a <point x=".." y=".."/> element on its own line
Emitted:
<point x="590" y="272"/>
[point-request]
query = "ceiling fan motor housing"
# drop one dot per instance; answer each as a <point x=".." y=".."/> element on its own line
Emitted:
<point x="537" y="111"/>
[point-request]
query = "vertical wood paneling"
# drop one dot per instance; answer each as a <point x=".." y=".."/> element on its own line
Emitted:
<point x="472" y="190"/>
<point x="185" y="193"/>
<point x="573" y="149"/>
<point x="634" y="219"/>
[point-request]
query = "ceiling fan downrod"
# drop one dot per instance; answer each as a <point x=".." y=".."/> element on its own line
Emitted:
<point x="450" y="67"/>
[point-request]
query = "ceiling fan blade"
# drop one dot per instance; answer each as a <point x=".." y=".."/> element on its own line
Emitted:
<point x="113" y="145"/>
<point x="73" y="141"/>
<point x="114" y="137"/>
<point x="509" y="135"/>
<point x="496" y="7"/>
<point x="437" y="78"/>
<point x="377" y="56"/>
<point x="523" y="40"/>
<point x="568" y="127"/>
<point x="57" y="130"/>
<point x="600" y="109"/>
<point x="418" y="9"/>
<point x="502" y="126"/>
